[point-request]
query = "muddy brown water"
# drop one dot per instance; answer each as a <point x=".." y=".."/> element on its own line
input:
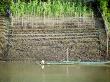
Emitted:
<point x="18" y="72"/>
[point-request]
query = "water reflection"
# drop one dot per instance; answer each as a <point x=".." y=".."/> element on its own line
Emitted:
<point x="14" y="72"/>
<point x="4" y="73"/>
<point x="42" y="66"/>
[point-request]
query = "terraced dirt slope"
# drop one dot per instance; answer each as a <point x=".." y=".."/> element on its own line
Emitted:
<point x="59" y="39"/>
<point x="3" y="41"/>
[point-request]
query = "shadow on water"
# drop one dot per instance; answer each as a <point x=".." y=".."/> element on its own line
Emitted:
<point x="12" y="72"/>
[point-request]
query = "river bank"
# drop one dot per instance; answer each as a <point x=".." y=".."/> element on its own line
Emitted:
<point x="61" y="63"/>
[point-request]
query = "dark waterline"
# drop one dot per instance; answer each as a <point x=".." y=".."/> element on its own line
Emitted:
<point x="14" y="72"/>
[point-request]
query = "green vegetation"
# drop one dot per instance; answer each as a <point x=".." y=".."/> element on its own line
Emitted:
<point x="106" y="10"/>
<point x="3" y="5"/>
<point x="52" y="8"/>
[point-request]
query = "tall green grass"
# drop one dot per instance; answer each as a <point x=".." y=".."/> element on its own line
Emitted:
<point x="52" y="8"/>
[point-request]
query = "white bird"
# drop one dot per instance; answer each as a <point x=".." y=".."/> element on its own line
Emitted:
<point x="42" y="62"/>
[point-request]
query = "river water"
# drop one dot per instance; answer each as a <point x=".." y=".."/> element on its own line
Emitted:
<point x="18" y="72"/>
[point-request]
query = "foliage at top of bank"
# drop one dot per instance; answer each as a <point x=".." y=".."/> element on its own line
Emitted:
<point x="105" y="7"/>
<point x="4" y="4"/>
<point x="50" y="8"/>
